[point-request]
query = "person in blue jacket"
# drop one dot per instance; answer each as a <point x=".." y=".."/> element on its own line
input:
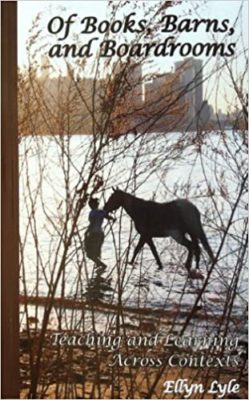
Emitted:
<point x="94" y="236"/>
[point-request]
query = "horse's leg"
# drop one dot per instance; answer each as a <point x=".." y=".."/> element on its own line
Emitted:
<point x="180" y="238"/>
<point x="137" y="249"/>
<point x="197" y="250"/>
<point x="154" y="252"/>
<point x="187" y="243"/>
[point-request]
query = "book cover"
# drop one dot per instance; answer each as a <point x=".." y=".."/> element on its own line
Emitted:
<point x="132" y="161"/>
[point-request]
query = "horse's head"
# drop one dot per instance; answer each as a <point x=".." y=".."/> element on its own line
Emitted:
<point x="115" y="200"/>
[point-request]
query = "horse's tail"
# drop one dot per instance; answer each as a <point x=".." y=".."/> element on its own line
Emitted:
<point x="205" y="244"/>
<point x="192" y="219"/>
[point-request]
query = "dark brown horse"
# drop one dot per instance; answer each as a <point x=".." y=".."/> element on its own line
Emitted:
<point x="176" y="219"/>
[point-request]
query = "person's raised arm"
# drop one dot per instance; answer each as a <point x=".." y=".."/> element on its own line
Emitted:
<point x="109" y="217"/>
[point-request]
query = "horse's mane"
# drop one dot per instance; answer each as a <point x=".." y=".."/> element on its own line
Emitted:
<point x="138" y="199"/>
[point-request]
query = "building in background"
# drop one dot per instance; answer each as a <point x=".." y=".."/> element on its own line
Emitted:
<point x="205" y="115"/>
<point x="135" y="80"/>
<point x="168" y="101"/>
<point x="191" y="84"/>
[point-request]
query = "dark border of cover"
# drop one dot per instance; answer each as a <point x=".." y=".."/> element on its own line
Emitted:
<point x="9" y="213"/>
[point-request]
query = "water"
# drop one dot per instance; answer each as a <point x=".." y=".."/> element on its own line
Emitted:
<point x="147" y="167"/>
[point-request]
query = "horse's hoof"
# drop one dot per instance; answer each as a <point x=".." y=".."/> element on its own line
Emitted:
<point x="160" y="268"/>
<point x="193" y="274"/>
<point x="101" y="268"/>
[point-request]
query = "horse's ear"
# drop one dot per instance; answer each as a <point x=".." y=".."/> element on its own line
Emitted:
<point x="117" y="188"/>
<point x="114" y="189"/>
